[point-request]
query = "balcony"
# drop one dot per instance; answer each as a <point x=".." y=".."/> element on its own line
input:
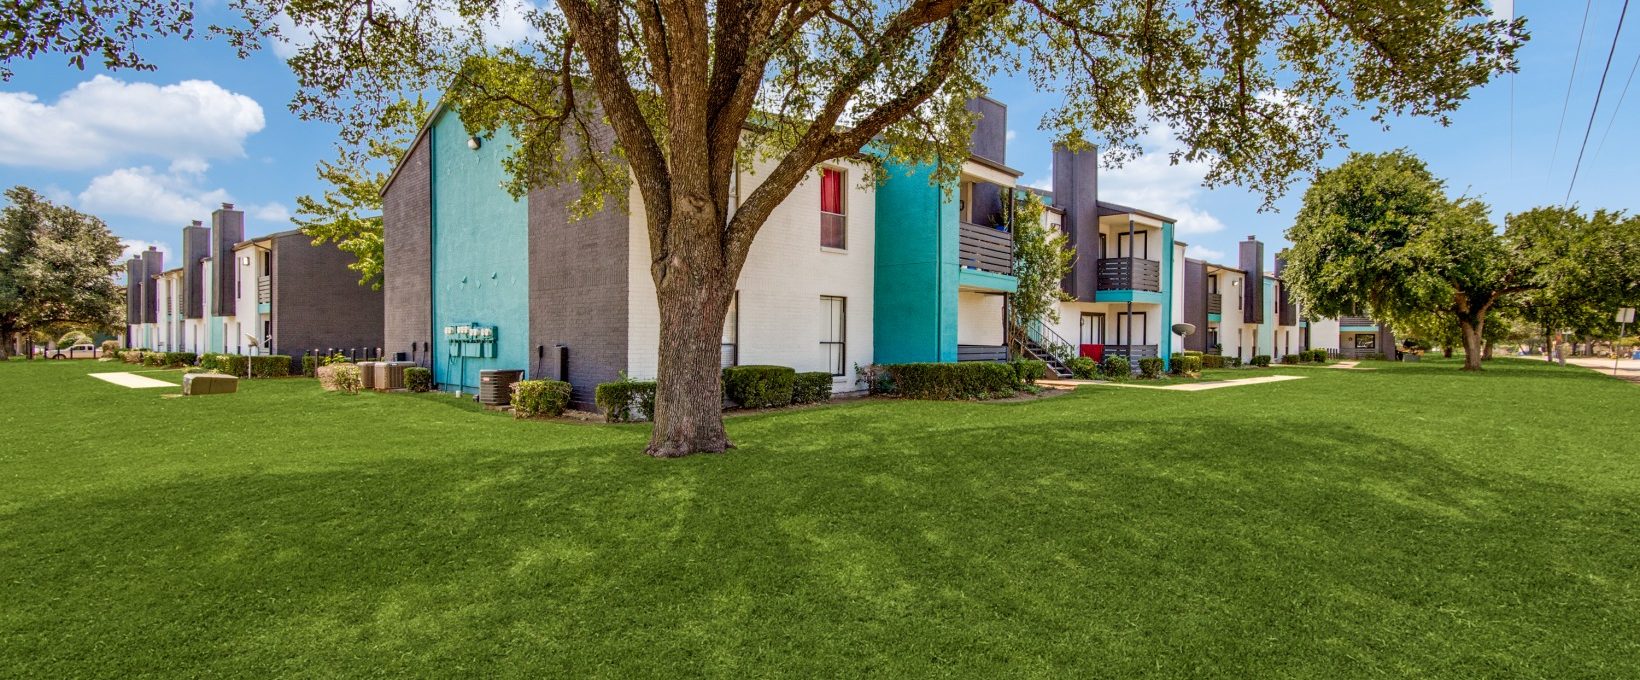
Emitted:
<point x="982" y="352"/>
<point x="1138" y="352"/>
<point x="1123" y="273"/>
<point x="986" y="249"/>
<point x="1215" y="303"/>
<point x="264" y="290"/>
<point x="1356" y="321"/>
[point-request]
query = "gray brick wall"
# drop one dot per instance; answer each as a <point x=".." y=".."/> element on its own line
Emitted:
<point x="317" y="300"/>
<point x="153" y="263"/>
<point x="227" y="228"/>
<point x="134" y="275"/>
<point x="196" y="246"/>
<point x="1195" y="303"/>
<point x="578" y="289"/>
<point x="407" y="255"/>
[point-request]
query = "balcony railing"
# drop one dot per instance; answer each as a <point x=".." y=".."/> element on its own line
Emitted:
<point x="986" y="249"/>
<point x="1356" y="321"/>
<point x="264" y="289"/>
<point x="982" y="352"/>
<point x="1215" y="303"/>
<point x="1138" y="352"/>
<point x="1122" y="273"/>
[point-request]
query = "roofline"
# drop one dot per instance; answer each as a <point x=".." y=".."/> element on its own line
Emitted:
<point x="1119" y="209"/>
<point x="999" y="167"/>
<point x="1227" y="268"/>
<point x="426" y="127"/>
<point x="268" y="237"/>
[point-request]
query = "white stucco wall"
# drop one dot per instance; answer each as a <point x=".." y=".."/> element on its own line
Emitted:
<point x="1231" y="329"/>
<point x="246" y="331"/>
<point x="786" y="274"/>
<point x="1324" y="334"/>
<point x="979" y="318"/>
<point x="1175" y="341"/>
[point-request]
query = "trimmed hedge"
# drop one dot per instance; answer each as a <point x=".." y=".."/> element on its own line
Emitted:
<point x="540" y="397"/>
<point x="1116" y="368"/>
<point x="946" y="381"/>
<point x="1235" y="362"/>
<point x="626" y="400"/>
<point x="1261" y="360"/>
<point x="811" y="387"/>
<point x="1213" y="361"/>
<point x="1084" y="368"/>
<point x="418" y="379"/>
<point x="759" y="386"/>
<point x="1028" y="371"/>
<point x="1318" y="355"/>
<point x="1151" y="367"/>
<point x="1289" y="358"/>
<point x="1190" y="364"/>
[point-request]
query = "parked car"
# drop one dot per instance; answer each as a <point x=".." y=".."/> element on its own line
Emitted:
<point x="76" y="352"/>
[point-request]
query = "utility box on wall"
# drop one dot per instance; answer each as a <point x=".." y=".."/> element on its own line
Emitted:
<point x="473" y="341"/>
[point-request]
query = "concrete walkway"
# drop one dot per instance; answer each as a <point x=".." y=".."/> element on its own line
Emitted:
<point x="1183" y="387"/>
<point x="131" y="380"/>
<point x="1626" y="369"/>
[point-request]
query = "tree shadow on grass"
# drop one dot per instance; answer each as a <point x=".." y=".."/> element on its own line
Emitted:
<point x="929" y="543"/>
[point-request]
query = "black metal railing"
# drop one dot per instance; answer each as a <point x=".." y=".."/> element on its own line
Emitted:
<point x="985" y="248"/>
<point x="1132" y="353"/>
<point x="982" y="352"/>
<point x="1215" y="303"/>
<point x="264" y="289"/>
<point x="1129" y="273"/>
<point x="1355" y="320"/>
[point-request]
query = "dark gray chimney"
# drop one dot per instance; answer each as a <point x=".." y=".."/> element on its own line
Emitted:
<point x="990" y="137"/>
<point x="227" y="228"/>
<point x="153" y="262"/>
<point x="196" y="246"/>
<point x="135" y="274"/>
<point x="1252" y="262"/>
<point x="1076" y="191"/>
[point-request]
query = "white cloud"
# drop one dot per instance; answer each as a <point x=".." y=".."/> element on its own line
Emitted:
<point x="1201" y="252"/>
<point x="144" y="193"/>
<point x="509" y="26"/>
<point x="134" y="247"/>
<point x="103" y="120"/>
<point x="1152" y="182"/>
<point x="269" y="212"/>
<point x="1010" y="136"/>
<point x="1045" y="183"/>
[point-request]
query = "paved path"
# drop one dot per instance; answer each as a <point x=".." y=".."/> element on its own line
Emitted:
<point x="1627" y="369"/>
<point x="131" y="380"/>
<point x="1182" y="387"/>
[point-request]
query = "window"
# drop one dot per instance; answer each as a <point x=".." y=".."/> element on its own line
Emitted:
<point x="267" y="263"/>
<point x="1125" y="244"/>
<point x="833" y="225"/>
<point x="833" y="332"/>
<point x="1366" y="341"/>
<point x="731" y="334"/>
<point x="1213" y="284"/>
<point x="1141" y="334"/>
<point x="1092" y="329"/>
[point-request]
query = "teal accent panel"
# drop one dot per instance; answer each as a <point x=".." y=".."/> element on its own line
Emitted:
<point x="1170" y="253"/>
<point x="215" y="340"/>
<point x="1215" y="317"/>
<point x="1358" y="329"/>
<point x="974" y="278"/>
<point x="1267" y="330"/>
<point x="916" y="270"/>
<point x="480" y="258"/>
<point x="264" y="308"/>
<point x="1134" y="296"/>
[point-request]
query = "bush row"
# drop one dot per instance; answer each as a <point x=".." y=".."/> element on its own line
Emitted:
<point x="1151" y="367"/>
<point x="532" y="398"/>
<point x="1188" y="363"/>
<point x="418" y="379"/>
<point x="1261" y="360"/>
<point x="962" y="380"/>
<point x="262" y="366"/>
<point x="1213" y="361"/>
<point x="626" y="400"/>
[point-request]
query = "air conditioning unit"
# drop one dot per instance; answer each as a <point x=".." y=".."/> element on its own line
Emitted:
<point x="495" y="386"/>
<point x="390" y="374"/>
<point x="367" y="375"/>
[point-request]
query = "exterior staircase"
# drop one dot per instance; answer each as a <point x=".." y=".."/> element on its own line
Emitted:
<point x="1056" y="367"/>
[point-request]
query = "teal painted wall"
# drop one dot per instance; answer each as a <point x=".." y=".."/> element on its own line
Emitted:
<point x="213" y="324"/>
<point x="1267" y="330"/>
<point x="1168" y="264"/>
<point x="480" y="259"/>
<point x="916" y="282"/>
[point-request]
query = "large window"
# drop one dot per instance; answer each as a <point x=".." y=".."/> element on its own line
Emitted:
<point x="1092" y="330"/>
<point x="1141" y="334"/>
<point x="833" y="225"/>
<point x="834" y="332"/>
<point x="1366" y="341"/>
<point x="731" y="334"/>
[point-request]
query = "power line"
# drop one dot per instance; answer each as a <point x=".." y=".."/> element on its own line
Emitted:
<point x="1617" y="109"/>
<point x="1567" y="104"/>
<point x="1592" y="110"/>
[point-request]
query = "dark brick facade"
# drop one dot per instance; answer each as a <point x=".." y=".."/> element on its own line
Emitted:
<point x="1076" y="191"/>
<point x="153" y="263"/>
<point x="135" y="274"/>
<point x="1195" y="304"/>
<point x="578" y="290"/>
<point x="196" y="246"/>
<point x="407" y="247"/>
<point x="318" y="302"/>
<point x="227" y="229"/>
<point x="1252" y="262"/>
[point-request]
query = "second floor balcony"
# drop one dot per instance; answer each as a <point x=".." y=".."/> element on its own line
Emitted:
<point x="1356" y="320"/>
<point x="1129" y="273"/>
<point x="985" y="248"/>
<point x="264" y="289"/>
<point x="1215" y="303"/>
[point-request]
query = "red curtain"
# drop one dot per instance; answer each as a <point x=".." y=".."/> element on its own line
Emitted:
<point x="831" y="191"/>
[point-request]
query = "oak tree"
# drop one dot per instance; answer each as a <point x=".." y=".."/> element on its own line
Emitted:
<point x="57" y="268"/>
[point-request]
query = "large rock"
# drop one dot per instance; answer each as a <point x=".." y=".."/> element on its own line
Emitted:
<point x="209" y="383"/>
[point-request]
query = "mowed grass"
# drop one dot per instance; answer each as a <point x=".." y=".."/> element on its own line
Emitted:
<point x="1406" y="521"/>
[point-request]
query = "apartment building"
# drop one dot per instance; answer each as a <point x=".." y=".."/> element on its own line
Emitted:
<point x="477" y="280"/>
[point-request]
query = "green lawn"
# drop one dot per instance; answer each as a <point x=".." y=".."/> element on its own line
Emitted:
<point x="1407" y="521"/>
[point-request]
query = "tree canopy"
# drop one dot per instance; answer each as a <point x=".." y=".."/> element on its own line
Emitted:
<point x="56" y="267"/>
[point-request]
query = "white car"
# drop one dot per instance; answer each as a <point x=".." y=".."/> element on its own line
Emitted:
<point x="75" y="352"/>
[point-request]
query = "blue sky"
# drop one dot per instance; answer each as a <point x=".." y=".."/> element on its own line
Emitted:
<point x="148" y="151"/>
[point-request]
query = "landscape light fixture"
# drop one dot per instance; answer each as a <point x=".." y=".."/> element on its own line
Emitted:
<point x="474" y="142"/>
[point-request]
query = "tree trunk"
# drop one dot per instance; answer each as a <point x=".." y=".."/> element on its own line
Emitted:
<point x="1486" y="353"/>
<point x="1472" y="343"/>
<point x="1446" y="350"/>
<point x="689" y="392"/>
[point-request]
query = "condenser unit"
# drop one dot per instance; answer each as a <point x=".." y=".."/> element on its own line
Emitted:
<point x="390" y="375"/>
<point x="495" y="386"/>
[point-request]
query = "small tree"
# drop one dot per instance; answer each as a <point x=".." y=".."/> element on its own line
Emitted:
<point x="1042" y="259"/>
<point x="57" y="268"/>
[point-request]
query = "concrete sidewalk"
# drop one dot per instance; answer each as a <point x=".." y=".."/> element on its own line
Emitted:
<point x="1626" y="369"/>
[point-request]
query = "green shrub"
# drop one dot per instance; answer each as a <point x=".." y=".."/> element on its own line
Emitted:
<point x="1261" y="360"/>
<point x="418" y="379"/>
<point x="1116" y="368"/>
<point x="626" y="400"/>
<point x="1150" y="367"/>
<point x="1028" y="371"/>
<point x="346" y="378"/>
<point x="1175" y="362"/>
<point x="310" y="365"/>
<point x="875" y="378"/>
<point x="811" y="387"/>
<point x="155" y="359"/>
<point x="270" y="366"/>
<point x="179" y="359"/>
<point x="1189" y="363"/>
<point x="1213" y="361"/>
<point x="759" y="386"/>
<point x="962" y="380"/>
<point x="1318" y="355"/>
<point x="1191" y="353"/>
<point x="1235" y="362"/>
<point x="540" y="397"/>
<point x="1084" y="368"/>
<point x="1289" y="359"/>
